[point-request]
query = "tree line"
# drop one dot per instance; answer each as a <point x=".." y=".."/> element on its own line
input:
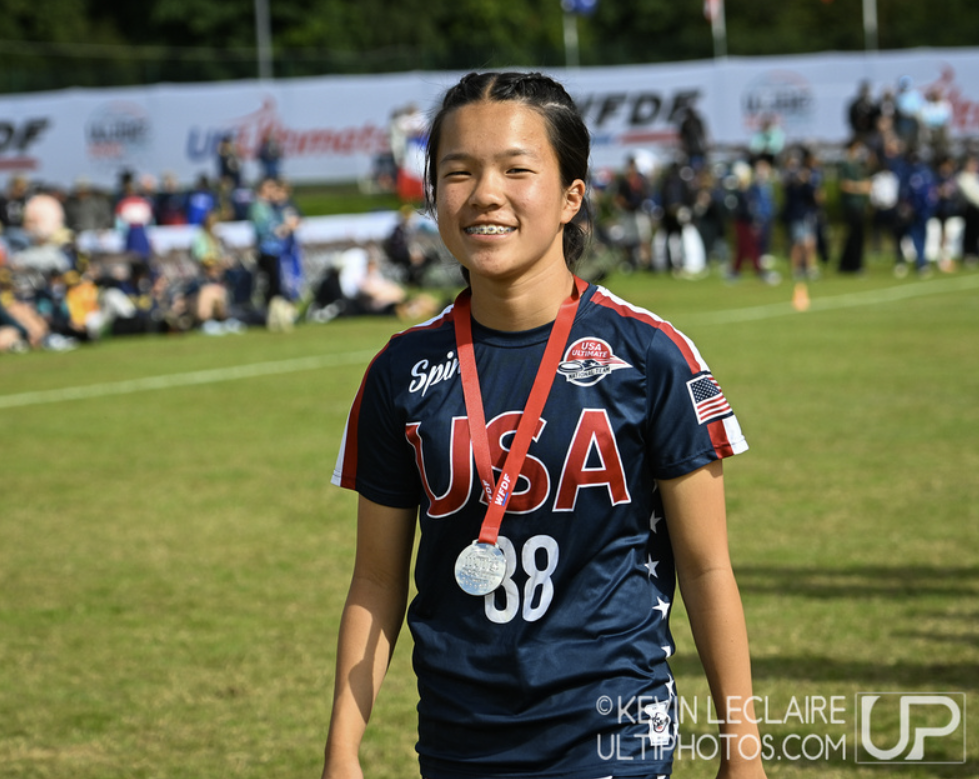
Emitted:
<point x="63" y="43"/>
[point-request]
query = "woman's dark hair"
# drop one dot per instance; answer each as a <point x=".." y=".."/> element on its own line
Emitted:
<point x="565" y="129"/>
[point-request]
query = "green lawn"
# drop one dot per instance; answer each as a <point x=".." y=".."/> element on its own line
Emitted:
<point x="174" y="561"/>
<point x="345" y="198"/>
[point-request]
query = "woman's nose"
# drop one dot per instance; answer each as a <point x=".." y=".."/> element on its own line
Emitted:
<point x="487" y="190"/>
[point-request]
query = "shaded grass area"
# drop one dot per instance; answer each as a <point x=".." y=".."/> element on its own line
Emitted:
<point x="174" y="561"/>
<point x="342" y="198"/>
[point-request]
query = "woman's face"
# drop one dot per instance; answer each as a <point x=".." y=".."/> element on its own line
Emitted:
<point x="500" y="204"/>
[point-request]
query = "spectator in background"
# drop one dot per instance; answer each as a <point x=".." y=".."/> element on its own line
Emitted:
<point x="269" y="236"/>
<point x="746" y="227"/>
<point x="818" y="177"/>
<point x="855" y="185"/>
<point x="275" y="222"/>
<point x="134" y="215"/>
<point x="270" y="154"/>
<point x="407" y="132"/>
<point x="753" y="214"/>
<point x="693" y="137"/>
<point x="882" y="135"/>
<point x="405" y="123"/>
<point x="862" y="113"/>
<point x="887" y="108"/>
<point x="801" y="211"/>
<point x="916" y="205"/>
<point x="44" y="219"/>
<point x="17" y="310"/>
<point x="764" y="196"/>
<point x="948" y="206"/>
<point x="210" y="303"/>
<point x="908" y="103"/>
<point x="710" y="216"/>
<point x="234" y="195"/>
<point x="12" y="213"/>
<point x="229" y="163"/>
<point x="47" y="252"/>
<point x="405" y="252"/>
<point x="92" y="310"/>
<point x="13" y="335"/>
<point x="885" y="186"/>
<point x="201" y="201"/>
<point x="238" y="202"/>
<point x="86" y="209"/>
<point x="936" y="116"/>
<point x="630" y="193"/>
<point x="676" y="198"/>
<point x="170" y="203"/>
<point x="768" y="141"/>
<point x="968" y="186"/>
<point x="290" y="261"/>
<point x="378" y="294"/>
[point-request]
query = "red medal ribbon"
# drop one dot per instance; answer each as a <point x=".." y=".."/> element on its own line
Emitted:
<point x="498" y="492"/>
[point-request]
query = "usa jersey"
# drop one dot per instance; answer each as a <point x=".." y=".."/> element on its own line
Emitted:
<point x="562" y="671"/>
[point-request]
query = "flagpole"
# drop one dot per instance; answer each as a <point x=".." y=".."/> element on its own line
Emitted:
<point x="263" y="38"/>
<point x="718" y="26"/>
<point x="870" y="24"/>
<point x="571" y="39"/>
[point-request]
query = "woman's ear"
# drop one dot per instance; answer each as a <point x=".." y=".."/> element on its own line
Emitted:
<point x="574" y="196"/>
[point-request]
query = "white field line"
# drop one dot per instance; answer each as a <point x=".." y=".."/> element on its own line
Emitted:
<point x="184" y="379"/>
<point x="729" y="316"/>
<point x="848" y="300"/>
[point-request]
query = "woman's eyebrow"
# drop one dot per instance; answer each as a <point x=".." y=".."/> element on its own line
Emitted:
<point x="461" y="156"/>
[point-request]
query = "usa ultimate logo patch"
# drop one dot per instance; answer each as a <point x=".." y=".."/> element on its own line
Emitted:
<point x="589" y="360"/>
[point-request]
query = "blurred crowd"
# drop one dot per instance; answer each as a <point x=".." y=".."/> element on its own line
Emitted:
<point x="899" y="188"/>
<point x="58" y="290"/>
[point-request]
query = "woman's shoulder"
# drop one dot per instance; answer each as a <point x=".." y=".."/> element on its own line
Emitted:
<point x="641" y="330"/>
<point x="421" y="338"/>
<point x="616" y="312"/>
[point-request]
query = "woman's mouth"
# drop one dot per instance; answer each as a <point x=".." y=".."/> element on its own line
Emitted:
<point x="489" y="230"/>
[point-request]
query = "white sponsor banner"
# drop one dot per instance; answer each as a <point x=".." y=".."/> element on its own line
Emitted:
<point x="314" y="230"/>
<point x="334" y="127"/>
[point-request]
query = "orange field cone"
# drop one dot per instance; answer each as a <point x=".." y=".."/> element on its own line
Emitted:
<point x="800" y="297"/>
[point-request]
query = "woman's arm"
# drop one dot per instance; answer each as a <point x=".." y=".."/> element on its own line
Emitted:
<point x="369" y="627"/>
<point x="697" y="520"/>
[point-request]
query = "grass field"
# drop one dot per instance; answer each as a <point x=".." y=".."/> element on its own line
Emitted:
<point x="173" y="560"/>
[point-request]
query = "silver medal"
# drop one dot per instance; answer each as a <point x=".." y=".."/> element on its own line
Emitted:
<point x="480" y="568"/>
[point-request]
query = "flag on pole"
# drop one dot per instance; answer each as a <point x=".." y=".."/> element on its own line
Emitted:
<point x="714" y="13"/>
<point x="870" y="24"/>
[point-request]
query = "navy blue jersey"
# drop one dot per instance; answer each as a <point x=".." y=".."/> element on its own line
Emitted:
<point x="561" y="672"/>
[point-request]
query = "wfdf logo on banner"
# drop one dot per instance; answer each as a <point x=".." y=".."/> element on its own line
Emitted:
<point x="931" y="727"/>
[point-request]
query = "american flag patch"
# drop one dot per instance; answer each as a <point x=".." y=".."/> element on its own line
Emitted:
<point x="708" y="400"/>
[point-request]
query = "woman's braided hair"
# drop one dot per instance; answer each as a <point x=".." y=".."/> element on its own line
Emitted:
<point x="565" y="128"/>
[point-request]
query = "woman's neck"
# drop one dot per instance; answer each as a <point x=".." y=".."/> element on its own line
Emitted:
<point x="523" y="304"/>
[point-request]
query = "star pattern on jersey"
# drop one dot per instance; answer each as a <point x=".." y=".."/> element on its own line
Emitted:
<point x="654" y="520"/>
<point x="651" y="567"/>
<point x="662" y="606"/>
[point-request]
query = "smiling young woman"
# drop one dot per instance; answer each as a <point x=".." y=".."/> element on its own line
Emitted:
<point x="560" y="452"/>
<point x="502" y="207"/>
